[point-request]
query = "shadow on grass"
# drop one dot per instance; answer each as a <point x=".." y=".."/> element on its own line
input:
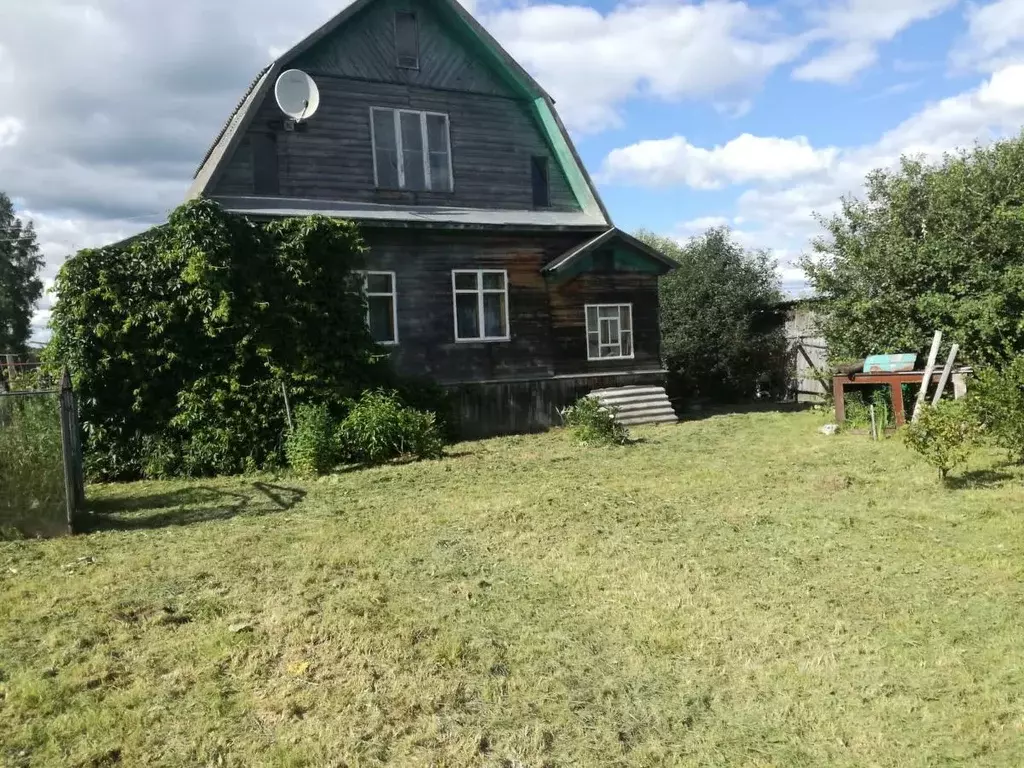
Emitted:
<point x="188" y="506"/>
<point x="697" y="411"/>
<point x="979" y="478"/>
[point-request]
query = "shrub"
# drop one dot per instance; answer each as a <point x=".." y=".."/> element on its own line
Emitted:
<point x="997" y="400"/>
<point x="380" y="427"/>
<point x="179" y="341"/>
<point x="943" y="434"/>
<point x="311" y="446"/>
<point x="721" y="335"/>
<point x="594" y="424"/>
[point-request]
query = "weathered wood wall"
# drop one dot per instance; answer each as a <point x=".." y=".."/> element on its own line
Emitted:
<point x="493" y="142"/>
<point x="366" y="50"/>
<point x="568" y="321"/>
<point x="494" y="135"/>
<point x="500" y="408"/>
<point x="546" y="320"/>
<point x="808" y="353"/>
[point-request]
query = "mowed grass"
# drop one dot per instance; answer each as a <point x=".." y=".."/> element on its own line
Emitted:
<point x="739" y="590"/>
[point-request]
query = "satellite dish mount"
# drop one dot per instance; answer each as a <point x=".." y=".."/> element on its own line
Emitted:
<point x="297" y="96"/>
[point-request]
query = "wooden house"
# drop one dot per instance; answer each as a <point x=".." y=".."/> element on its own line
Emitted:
<point x="493" y="266"/>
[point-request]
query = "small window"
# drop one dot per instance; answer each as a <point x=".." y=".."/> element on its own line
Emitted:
<point x="609" y="331"/>
<point x="481" y="304"/>
<point x="407" y="40"/>
<point x="541" y="192"/>
<point x="381" y="306"/>
<point x="411" y="150"/>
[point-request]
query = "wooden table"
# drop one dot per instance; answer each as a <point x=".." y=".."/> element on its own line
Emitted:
<point x="895" y="382"/>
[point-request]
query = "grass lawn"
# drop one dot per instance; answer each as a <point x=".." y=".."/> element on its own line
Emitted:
<point x="740" y="590"/>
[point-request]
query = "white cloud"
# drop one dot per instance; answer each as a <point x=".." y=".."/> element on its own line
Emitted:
<point x="840" y="64"/>
<point x="779" y="214"/>
<point x="591" y="63"/>
<point x="995" y="35"/>
<point x="10" y="130"/>
<point x="855" y="28"/>
<point x="747" y="158"/>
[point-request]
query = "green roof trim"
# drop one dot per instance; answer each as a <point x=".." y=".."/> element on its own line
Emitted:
<point x="565" y="157"/>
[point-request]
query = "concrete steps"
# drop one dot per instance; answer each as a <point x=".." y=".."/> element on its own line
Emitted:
<point x="637" y="405"/>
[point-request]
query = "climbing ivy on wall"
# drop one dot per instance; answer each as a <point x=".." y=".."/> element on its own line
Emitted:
<point x="180" y="340"/>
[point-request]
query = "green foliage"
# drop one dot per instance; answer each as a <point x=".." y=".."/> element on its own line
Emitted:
<point x="997" y="399"/>
<point x="32" y="500"/>
<point x="312" y="448"/>
<point x="179" y="342"/>
<point x="721" y="335"/>
<point x="931" y="247"/>
<point x="380" y="427"/>
<point x="593" y="424"/>
<point x="858" y="408"/>
<point x="944" y="434"/>
<point x="20" y="286"/>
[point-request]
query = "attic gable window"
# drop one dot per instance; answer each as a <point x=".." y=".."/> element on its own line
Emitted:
<point x="411" y="150"/>
<point x="407" y="40"/>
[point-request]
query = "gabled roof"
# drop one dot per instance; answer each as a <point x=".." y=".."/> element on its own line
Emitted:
<point x="518" y="79"/>
<point x="610" y="239"/>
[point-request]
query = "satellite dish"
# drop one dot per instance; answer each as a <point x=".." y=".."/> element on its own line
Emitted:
<point x="297" y="94"/>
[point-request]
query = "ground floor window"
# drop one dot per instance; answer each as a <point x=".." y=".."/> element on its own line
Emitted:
<point x="381" y="306"/>
<point x="481" y="304"/>
<point x="609" y="331"/>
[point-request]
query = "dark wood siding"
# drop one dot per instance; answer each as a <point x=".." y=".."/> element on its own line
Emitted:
<point x="546" y="322"/>
<point x="365" y="49"/>
<point x="569" y="324"/>
<point x="493" y="142"/>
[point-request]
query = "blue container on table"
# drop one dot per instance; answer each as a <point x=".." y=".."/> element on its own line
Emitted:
<point x="890" y="363"/>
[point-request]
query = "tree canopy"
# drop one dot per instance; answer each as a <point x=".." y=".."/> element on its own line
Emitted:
<point x="720" y="334"/>
<point x="930" y="247"/>
<point x="20" y="286"/>
<point x="181" y="340"/>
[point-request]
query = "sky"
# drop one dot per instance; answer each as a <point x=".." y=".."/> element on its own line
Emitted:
<point x="755" y="114"/>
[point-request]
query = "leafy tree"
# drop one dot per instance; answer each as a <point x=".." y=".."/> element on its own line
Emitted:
<point x="930" y="247"/>
<point x="943" y="434"/>
<point x="720" y="333"/>
<point x="20" y="286"/>
<point x="180" y="340"/>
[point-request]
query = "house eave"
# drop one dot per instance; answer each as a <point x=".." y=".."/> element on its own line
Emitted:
<point x="372" y="214"/>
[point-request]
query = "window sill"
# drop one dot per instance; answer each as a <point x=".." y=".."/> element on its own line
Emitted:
<point x="604" y="359"/>
<point x="484" y="340"/>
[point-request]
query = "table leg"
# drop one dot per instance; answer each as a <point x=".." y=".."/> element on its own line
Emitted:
<point x="837" y="396"/>
<point x="897" y="403"/>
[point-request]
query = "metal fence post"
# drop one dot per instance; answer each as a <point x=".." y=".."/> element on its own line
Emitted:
<point x="74" y="488"/>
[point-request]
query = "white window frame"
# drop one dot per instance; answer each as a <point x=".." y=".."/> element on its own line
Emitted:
<point x="426" y="146"/>
<point x="480" y="291"/>
<point x="393" y="295"/>
<point x="600" y="345"/>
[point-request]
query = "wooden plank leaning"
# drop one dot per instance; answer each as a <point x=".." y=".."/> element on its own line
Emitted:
<point x="927" y="378"/>
<point x="946" y="372"/>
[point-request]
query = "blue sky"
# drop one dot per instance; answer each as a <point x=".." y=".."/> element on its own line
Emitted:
<point x="754" y="114"/>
